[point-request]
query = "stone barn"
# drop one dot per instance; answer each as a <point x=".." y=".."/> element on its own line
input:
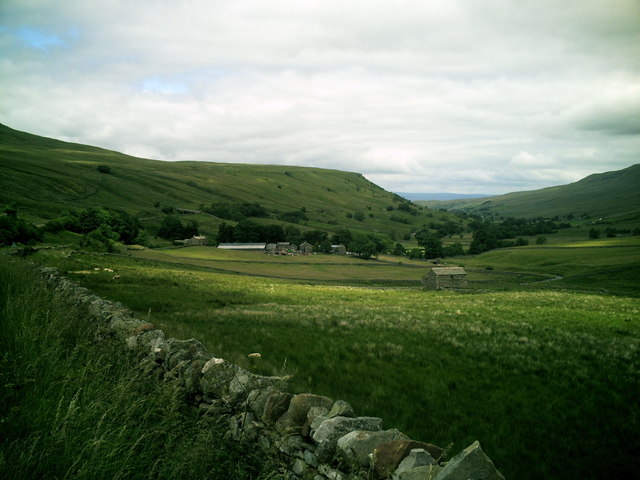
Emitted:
<point x="445" y="277"/>
<point x="339" y="249"/>
<point x="306" y="247"/>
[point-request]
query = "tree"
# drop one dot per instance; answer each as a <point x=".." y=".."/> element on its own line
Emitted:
<point x="399" y="250"/>
<point x="325" y="246"/>
<point x="359" y="216"/>
<point x="430" y="242"/>
<point x="292" y="234"/>
<point x="172" y="228"/>
<point x="14" y="229"/>
<point x="342" y="236"/>
<point x="362" y="246"/>
<point x="91" y="218"/>
<point x="453" y="250"/>
<point x="594" y="233"/>
<point x="315" y="236"/>
<point x="273" y="233"/>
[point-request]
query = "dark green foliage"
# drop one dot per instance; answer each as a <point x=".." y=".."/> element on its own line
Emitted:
<point x="430" y="242"/>
<point x="362" y="246"/>
<point x="453" y="250"/>
<point x="17" y="230"/>
<point x="101" y="227"/>
<point x="104" y="169"/>
<point x="541" y="240"/>
<point x="395" y="218"/>
<point x="447" y="228"/>
<point x="342" y="237"/>
<point x="405" y="206"/>
<point x="314" y="236"/>
<point x="359" y="216"/>
<point x="173" y="229"/>
<point x="292" y="234"/>
<point x="295" y="216"/>
<point x="399" y="249"/>
<point x="237" y="211"/>
<point x="247" y="231"/>
<point x="594" y="233"/>
<point x="325" y="246"/>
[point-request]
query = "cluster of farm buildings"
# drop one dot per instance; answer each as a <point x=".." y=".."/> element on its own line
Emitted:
<point x="281" y="248"/>
<point x="437" y="278"/>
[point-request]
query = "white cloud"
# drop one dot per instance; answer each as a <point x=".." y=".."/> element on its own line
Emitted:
<point x="487" y="96"/>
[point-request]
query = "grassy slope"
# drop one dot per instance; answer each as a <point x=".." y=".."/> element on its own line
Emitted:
<point x="74" y="408"/>
<point x="45" y="176"/>
<point x="541" y="378"/>
<point x="610" y="194"/>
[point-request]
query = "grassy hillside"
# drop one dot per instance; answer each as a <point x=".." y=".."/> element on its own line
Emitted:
<point x="45" y="176"/>
<point x="611" y="195"/>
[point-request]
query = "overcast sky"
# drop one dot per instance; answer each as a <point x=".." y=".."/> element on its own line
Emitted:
<point x="476" y="96"/>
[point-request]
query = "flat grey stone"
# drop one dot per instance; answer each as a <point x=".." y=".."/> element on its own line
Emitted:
<point x="470" y="463"/>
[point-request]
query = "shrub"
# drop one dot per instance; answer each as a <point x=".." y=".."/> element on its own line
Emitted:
<point x="104" y="169"/>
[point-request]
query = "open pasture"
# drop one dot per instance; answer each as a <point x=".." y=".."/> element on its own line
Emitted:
<point x="387" y="271"/>
<point x="602" y="266"/>
<point x="542" y="378"/>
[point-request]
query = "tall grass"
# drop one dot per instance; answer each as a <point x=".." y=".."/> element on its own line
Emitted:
<point x="543" y="379"/>
<point x="74" y="408"/>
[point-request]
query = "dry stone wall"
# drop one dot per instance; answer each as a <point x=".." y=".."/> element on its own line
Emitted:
<point x="317" y="437"/>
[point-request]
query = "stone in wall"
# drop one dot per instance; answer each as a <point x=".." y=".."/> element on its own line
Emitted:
<point x="470" y="463"/>
<point x="356" y="448"/>
<point x="329" y="431"/>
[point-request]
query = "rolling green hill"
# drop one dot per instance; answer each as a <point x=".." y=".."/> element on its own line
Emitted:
<point x="46" y="176"/>
<point x="612" y="195"/>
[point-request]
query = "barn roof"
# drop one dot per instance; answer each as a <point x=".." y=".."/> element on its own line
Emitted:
<point x="449" y="271"/>
<point x="242" y="246"/>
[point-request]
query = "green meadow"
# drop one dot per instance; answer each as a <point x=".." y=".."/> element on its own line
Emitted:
<point x="543" y="373"/>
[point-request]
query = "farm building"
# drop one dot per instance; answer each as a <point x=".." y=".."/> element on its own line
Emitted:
<point x="283" y="248"/>
<point x="243" y="246"/>
<point x="306" y="247"/>
<point x="195" y="240"/>
<point x="445" y="277"/>
<point x="339" y="249"/>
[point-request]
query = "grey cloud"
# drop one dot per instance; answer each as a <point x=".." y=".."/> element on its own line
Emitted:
<point x="486" y="96"/>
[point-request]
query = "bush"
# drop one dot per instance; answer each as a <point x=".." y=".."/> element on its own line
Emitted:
<point x="104" y="169"/>
<point x="17" y="230"/>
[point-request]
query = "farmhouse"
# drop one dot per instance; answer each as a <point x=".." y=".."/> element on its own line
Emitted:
<point x="445" y="277"/>
<point x="243" y="246"/>
<point x="306" y="248"/>
<point x="339" y="249"/>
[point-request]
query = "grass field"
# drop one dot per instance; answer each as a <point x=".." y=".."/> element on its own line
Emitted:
<point x="542" y="378"/>
<point x="74" y="408"/>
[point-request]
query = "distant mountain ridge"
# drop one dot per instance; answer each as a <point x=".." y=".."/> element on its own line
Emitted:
<point x="614" y="194"/>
